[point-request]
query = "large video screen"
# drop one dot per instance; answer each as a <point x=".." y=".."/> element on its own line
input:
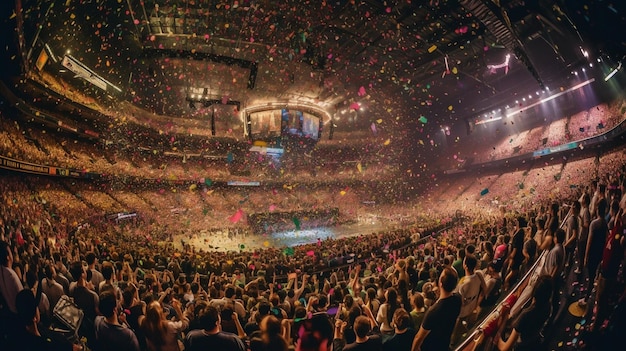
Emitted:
<point x="271" y="125"/>
<point x="265" y="124"/>
<point x="300" y="123"/>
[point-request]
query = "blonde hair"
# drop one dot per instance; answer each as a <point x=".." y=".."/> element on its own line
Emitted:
<point x="154" y="324"/>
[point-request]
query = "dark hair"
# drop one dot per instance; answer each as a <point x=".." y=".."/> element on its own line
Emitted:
<point x="315" y="331"/>
<point x="107" y="303"/>
<point x="90" y="258"/>
<point x="401" y="318"/>
<point x="128" y="294"/>
<point x="392" y="303"/>
<point x="48" y="272"/>
<point x="272" y="338"/>
<point x="470" y="249"/>
<point x="543" y="289"/>
<point x="522" y="222"/>
<point x="448" y="279"/>
<point x="362" y="326"/>
<point x="471" y="262"/>
<point x="560" y="235"/>
<point x="26" y="306"/>
<point x="208" y="318"/>
<point x="76" y="270"/>
<point x="4" y="253"/>
<point x="107" y="271"/>
<point x="230" y="291"/>
<point x="601" y="207"/>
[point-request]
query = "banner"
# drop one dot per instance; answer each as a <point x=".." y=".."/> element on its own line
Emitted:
<point x="27" y="167"/>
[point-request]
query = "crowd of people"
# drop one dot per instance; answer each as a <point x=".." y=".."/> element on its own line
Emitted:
<point x="377" y="291"/>
<point x="423" y="286"/>
<point x="510" y="141"/>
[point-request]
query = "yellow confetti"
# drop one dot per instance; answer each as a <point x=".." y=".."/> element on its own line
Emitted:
<point x="455" y="70"/>
<point x="13" y="15"/>
<point x="387" y="142"/>
<point x="432" y="49"/>
<point x="359" y="167"/>
<point x="342" y="193"/>
<point x="379" y="121"/>
<point x="209" y="192"/>
<point x="192" y="187"/>
<point x="72" y="16"/>
<point x="266" y="243"/>
<point x="450" y="108"/>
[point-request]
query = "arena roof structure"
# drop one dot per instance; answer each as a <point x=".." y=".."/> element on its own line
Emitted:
<point x="405" y="68"/>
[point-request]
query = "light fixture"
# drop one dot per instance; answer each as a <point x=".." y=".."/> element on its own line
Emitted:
<point x="610" y="75"/>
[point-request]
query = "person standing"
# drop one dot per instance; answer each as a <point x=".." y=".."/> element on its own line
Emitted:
<point x="110" y="333"/>
<point x="404" y="333"/>
<point x="585" y="221"/>
<point x="440" y="319"/>
<point x="50" y="286"/>
<point x="10" y="283"/>
<point x="10" y="286"/>
<point x="612" y="257"/>
<point x="572" y="232"/>
<point x="553" y="267"/>
<point x="598" y="230"/>
<point x="210" y="337"/>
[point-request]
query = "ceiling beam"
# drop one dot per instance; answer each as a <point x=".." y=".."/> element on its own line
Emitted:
<point x="497" y="22"/>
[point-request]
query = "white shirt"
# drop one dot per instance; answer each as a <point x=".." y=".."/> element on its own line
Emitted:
<point x="10" y="285"/>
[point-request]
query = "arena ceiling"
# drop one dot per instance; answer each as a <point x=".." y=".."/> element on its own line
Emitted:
<point x="407" y="65"/>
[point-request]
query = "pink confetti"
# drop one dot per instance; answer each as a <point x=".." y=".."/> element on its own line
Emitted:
<point x="237" y="216"/>
<point x="361" y="91"/>
<point x="355" y="106"/>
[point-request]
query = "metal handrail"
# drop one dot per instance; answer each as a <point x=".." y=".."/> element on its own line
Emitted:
<point x="466" y="344"/>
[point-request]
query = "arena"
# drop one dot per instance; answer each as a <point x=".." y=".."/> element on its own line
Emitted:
<point x="312" y="175"/>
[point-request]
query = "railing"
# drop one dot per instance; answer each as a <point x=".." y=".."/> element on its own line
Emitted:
<point x="526" y="283"/>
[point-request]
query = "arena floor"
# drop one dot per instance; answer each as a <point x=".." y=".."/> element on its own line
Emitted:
<point x="222" y="241"/>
